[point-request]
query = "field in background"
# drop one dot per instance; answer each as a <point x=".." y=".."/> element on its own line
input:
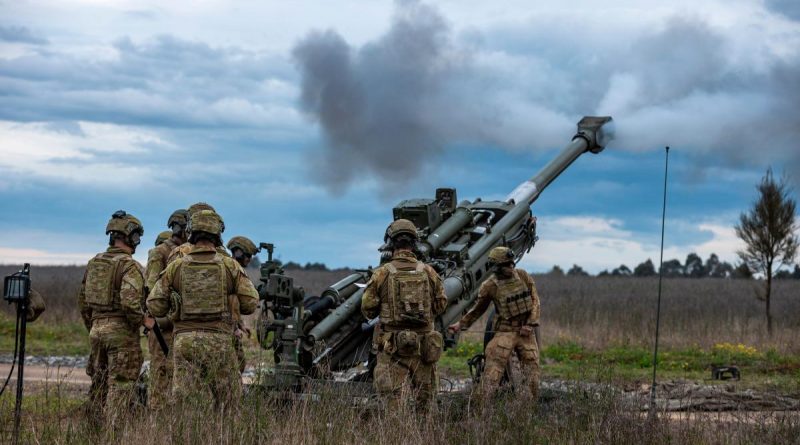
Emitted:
<point x="594" y="329"/>
<point x="595" y="312"/>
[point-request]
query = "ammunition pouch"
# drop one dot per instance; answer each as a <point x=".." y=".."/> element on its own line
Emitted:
<point x="407" y="343"/>
<point x="431" y="347"/>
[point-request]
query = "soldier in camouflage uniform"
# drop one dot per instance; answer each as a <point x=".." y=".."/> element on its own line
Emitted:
<point x="110" y="305"/>
<point x="160" y="365"/>
<point x="242" y="250"/>
<point x="163" y="236"/>
<point x="184" y="248"/>
<point x="407" y="295"/>
<point x="35" y="306"/>
<point x="516" y="303"/>
<point x="194" y="293"/>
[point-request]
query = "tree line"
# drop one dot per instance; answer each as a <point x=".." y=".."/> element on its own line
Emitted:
<point x="692" y="267"/>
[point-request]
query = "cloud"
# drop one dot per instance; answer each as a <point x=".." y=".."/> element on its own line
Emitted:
<point x="724" y="90"/>
<point x="395" y="104"/>
<point x="20" y="34"/>
<point x="601" y="243"/>
<point x="84" y="153"/>
<point x="164" y="81"/>
<point x="789" y="8"/>
<point x="41" y="257"/>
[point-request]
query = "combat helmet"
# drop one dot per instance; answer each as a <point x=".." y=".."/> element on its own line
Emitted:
<point x="125" y="224"/>
<point x="196" y="207"/>
<point x="500" y="255"/>
<point x="401" y="227"/>
<point x="244" y="244"/>
<point x="206" y="221"/>
<point x="163" y="236"/>
<point x="179" y="217"/>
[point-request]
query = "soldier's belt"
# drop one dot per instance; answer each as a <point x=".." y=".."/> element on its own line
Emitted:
<point x="418" y="330"/>
<point x="103" y="316"/>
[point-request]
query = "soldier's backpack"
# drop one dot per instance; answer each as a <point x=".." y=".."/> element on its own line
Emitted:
<point x="513" y="296"/>
<point x="409" y="296"/>
<point x="103" y="281"/>
<point x="203" y="288"/>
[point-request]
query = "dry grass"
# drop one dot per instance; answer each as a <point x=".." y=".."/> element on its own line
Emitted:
<point x="573" y="417"/>
<point x="598" y="312"/>
<point x="595" y="312"/>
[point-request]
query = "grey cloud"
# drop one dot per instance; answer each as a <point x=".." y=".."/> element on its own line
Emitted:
<point x="388" y="109"/>
<point x="394" y="105"/>
<point x="789" y="8"/>
<point x="20" y="34"/>
<point x="164" y="81"/>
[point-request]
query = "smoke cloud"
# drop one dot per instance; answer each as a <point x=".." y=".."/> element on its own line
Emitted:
<point x="389" y="108"/>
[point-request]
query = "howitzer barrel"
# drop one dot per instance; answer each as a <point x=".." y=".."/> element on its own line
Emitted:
<point x="344" y="287"/>
<point x="330" y="323"/>
<point x="453" y="288"/>
<point x="460" y="218"/>
<point x="591" y="136"/>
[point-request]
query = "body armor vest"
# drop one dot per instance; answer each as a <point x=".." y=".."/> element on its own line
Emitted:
<point x="204" y="289"/>
<point x="513" y="297"/>
<point x="409" y="297"/>
<point x="103" y="281"/>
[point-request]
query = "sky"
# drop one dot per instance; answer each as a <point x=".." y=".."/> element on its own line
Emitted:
<point x="303" y="123"/>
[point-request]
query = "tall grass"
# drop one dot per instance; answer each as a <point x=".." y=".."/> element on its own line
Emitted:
<point x="595" y="311"/>
<point x="571" y="417"/>
<point x="598" y="312"/>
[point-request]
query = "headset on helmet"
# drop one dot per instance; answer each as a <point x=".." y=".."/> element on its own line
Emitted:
<point x="127" y="225"/>
<point x="179" y="217"/>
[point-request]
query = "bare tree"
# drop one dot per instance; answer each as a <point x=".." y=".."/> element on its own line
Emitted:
<point x="768" y="232"/>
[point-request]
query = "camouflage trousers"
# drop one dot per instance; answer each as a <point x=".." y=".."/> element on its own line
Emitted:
<point x="206" y="368"/>
<point x="238" y="344"/>
<point x="114" y="364"/>
<point x="399" y="380"/>
<point x="160" y="384"/>
<point x="498" y="352"/>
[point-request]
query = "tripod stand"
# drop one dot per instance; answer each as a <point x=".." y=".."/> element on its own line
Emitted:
<point x="16" y="289"/>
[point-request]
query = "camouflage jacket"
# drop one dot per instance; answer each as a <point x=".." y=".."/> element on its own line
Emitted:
<point x="162" y="302"/>
<point x="35" y="306"/>
<point x="131" y="291"/>
<point x="157" y="261"/>
<point x="184" y="249"/>
<point x="376" y="292"/>
<point x="487" y="294"/>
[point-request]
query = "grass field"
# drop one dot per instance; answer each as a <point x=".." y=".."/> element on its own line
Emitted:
<point x="595" y="329"/>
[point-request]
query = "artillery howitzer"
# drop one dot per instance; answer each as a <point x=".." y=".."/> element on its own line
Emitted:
<point x="319" y="337"/>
